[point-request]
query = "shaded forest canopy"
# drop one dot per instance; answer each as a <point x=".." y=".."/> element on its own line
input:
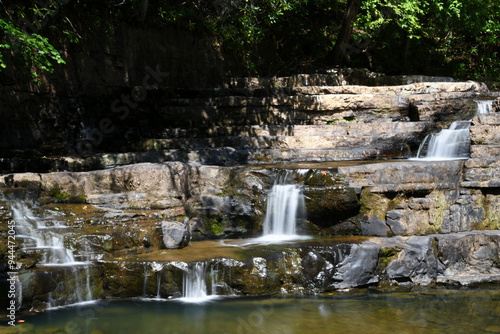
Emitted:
<point x="456" y="38"/>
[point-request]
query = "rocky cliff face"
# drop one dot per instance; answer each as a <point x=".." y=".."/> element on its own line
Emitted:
<point x="282" y="120"/>
<point x="204" y="163"/>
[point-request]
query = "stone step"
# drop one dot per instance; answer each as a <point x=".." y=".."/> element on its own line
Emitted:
<point x="342" y="135"/>
<point x="335" y="77"/>
<point x="341" y="128"/>
<point x="318" y="108"/>
<point x="486" y="119"/>
<point x="391" y="99"/>
<point x="493" y="162"/>
<point x="404" y="176"/>
<point x="487" y="134"/>
<point x="228" y="156"/>
<point x="482" y="174"/>
<point x="199" y="116"/>
<point x="484" y="151"/>
<point x="405" y="89"/>
<point x="290" y="142"/>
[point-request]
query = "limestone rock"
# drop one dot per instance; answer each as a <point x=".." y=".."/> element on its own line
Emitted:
<point x="416" y="262"/>
<point x="404" y="176"/>
<point x="358" y="268"/>
<point x="496" y="105"/>
<point x="374" y="226"/>
<point x="175" y="234"/>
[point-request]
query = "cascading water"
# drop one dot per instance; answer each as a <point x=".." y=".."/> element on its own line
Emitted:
<point x="149" y="270"/>
<point x="484" y="106"/>
<point x="43" y="235"/>
<point x="285" y="203"/>
<point x="454" y="142"/>
<point x="195" y="284"/>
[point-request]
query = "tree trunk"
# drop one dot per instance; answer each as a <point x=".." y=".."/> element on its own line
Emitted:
<point x="340" y="53"/>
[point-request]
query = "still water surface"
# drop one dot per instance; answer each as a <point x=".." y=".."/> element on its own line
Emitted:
<point x="424" y="311"/>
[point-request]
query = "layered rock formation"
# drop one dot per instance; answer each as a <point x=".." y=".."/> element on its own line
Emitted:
<point x="289" y="119"/>
<point x="177" y="183"/>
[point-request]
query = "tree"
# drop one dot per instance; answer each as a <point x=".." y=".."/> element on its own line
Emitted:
<point x="339" y="52"/>
<point x="21" y="39"/>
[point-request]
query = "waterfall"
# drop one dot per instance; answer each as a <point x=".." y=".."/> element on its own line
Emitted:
<point x="452" y="143"/>
<point x="195" y="284"/>
<point x="145" y="282"/>
<point x="42" y="235"/>
<point x="285" y="203"/>
<point x="484" y="106"/>
<point x="158" y="284"/>
<point x="149" y="269"/>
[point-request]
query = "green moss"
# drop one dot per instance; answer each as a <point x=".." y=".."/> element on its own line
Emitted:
<point x="78" y="199"/>
<point x="394" y="203"/>
<point x="440" y="207"/>
<point x="491" y="209"/>
<point x="58" y="194"/>
<point x="407" y="148"/>
<point x="386" y="255"/>
<point x="373" y="204"/>
<point x="215" y="226"/>
<point x="263" y="158"/>
<point x="180" y="218"/>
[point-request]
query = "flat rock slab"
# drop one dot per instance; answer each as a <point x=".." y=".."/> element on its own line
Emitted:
<point x="404" y="175"/>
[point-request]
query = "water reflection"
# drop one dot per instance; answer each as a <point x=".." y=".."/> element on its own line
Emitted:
<point x="426" y="311"/>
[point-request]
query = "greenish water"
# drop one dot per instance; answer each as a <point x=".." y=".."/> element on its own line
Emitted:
<point x="426" y="311"/>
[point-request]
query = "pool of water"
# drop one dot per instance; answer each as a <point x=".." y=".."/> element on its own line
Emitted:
<point x="424" y="311"/>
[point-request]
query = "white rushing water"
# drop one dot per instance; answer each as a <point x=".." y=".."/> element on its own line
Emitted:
<point x="42" y="235"/>
<point x="451" y="143"/>
<point x="45" y="236"/>
<point x="283" y="201"/>
<point x="194" y="288"/>
<point x="484" y="106"/>
<point x="151" y="269"/>
<point x="285" y="204"/>
<point x="454" y="142"/>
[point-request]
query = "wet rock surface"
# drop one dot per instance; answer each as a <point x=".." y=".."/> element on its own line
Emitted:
<point x="139" y="214"/>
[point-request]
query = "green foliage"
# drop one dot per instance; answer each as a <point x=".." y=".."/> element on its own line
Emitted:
<point x="22" y="40"/>
<point x="264" y="35"/>
<point x="34" y="49"/>
<point x="443" y="37"/>
<point x="275" y="37"/>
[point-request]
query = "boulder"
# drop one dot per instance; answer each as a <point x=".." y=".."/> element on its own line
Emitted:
<point x="175" y="234"/>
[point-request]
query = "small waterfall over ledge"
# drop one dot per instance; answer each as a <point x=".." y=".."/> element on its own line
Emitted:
<point x="285" y="204"/>
<point x="44" y="235"/>
<point x="484" y="106"/>
<point x="194" y="287"/>
<point x="454" y="142"/>
<point x="451" y="143"/>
